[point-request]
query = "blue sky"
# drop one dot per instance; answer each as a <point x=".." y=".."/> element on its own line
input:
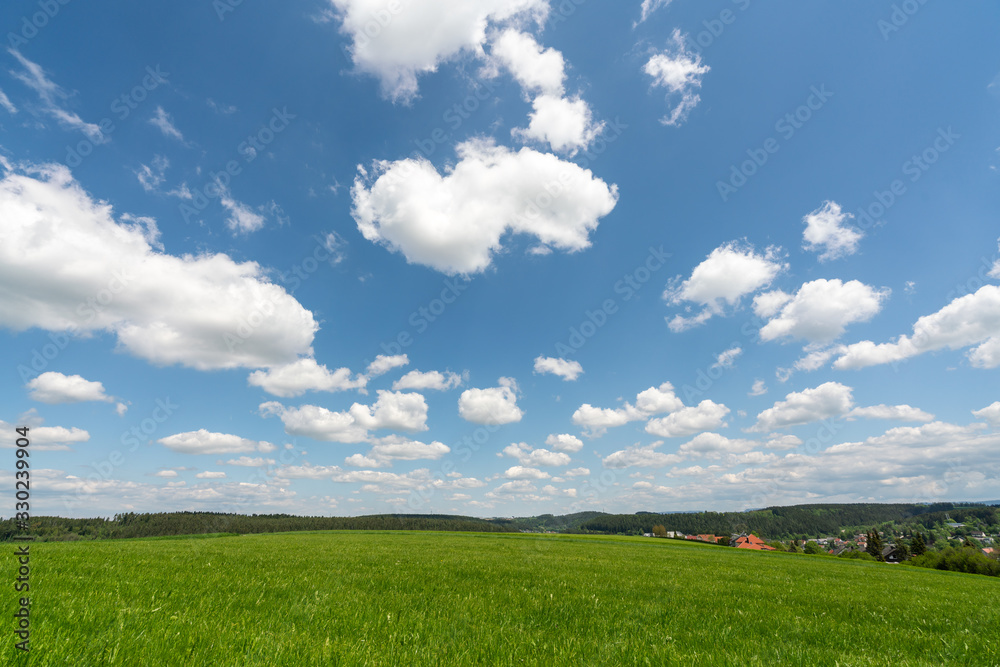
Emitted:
<point x="502" y="257"/>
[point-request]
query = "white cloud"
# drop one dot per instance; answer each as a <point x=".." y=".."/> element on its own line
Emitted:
<point x="825" y="231"/>
<point x="211" y="475"/>
<point x="727" y="274"/>
<point x="52" y="388"/>
<point x="822" y="309"/>
<point x="454" y="223"/>
<point x="248" y="462"/>
<point x="566" y="369"/>
<point x="564" y="442"/>
<point x="392" y="410"/>
<point x="758" y="388"/>
<point x="566" y="124"/>
<point x="577" y="472"/>
<point x="537" y="70"/>
<point x="152" y="177"/>
<point x="649" y="402"/>
<point x="385" y="363"/>
<point x="395" y="448"/>
<point x="897" y="412"/>
<point x="304" y="375"/>
<point x="529" y="456"/>
<point x="991" y="413"/>
<point x="713" y="445"/>
<point x="121" y="409"/>
<point x="168" y="474"/>
<point x="397" y="46"/>
<point x="679" y="71"/>
<point x="521" y="472"/>
<point x="7" y="104"/>
<point x="51" y="96"/>
<point x="727" y="358"/>
<point x="162" y="121"/>
<point x="830" y="399"/>
<point x="511" y="488"/>
<point x="43" y="438"/>
<point x="206" y="442"/>
<point x="650" y="6"/>
<point x="641" y="457"/>
<point x="192" y="310"/>
<point x="706" y="416"/>
<point x="496" y="405"/>
<point x="973" y="319"/>
<point x="432" y="380"/>
<point x="242" y="218"/>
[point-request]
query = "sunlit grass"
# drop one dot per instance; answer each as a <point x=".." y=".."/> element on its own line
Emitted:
<point x="395" y="598"/>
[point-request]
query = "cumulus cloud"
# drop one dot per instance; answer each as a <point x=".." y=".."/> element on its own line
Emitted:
<point x="820" y="311"/>
<point x="392" y="410"/>
<point x="418" y="37"/>
<point x="566" y="124"/>
<point x="52" y="98"/>
<point x="529" y="456"/>
<point x="211" y="475"/>
<point x="680" y="71"/>
<point x="827" y="233"/>
<point x="564" y="442"/>
<point x="92" y="273"/>
<point x="596" y="421"/>
<point x="43" y="438"/>
<point x="727" y="274"/>
<point x="53" y="387"/>
<point x="496" y="405"/>
<point x="758" y="388"/>
<point x="991" y="413"/>
<point x="641" y="457"/>
<point x="385" y="363"/>
<point x="521" y="472"/>
<point x="304" y="375"/>
<point x="904" y="413"/>
<point x="714" y="446"/>
<point x="705" y="416"/>
<point x="970" y="320"/>
<point x="432" y="380"/>
<point x="537" y="70"/>
<point x="453" y="223"/>
<point x="206" y="442"/>
<point x="394" y="448"/>
<point x="566" y="369"/>
<point x="830" y="399"/>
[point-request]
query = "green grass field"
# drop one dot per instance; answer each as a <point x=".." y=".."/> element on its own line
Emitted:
<point x="399" y="598"/>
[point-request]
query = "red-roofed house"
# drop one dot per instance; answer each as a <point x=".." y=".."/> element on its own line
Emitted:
<point x="751" y="542"/>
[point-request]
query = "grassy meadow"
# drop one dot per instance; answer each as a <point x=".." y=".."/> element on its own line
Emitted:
<point x="423" y="598"/>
